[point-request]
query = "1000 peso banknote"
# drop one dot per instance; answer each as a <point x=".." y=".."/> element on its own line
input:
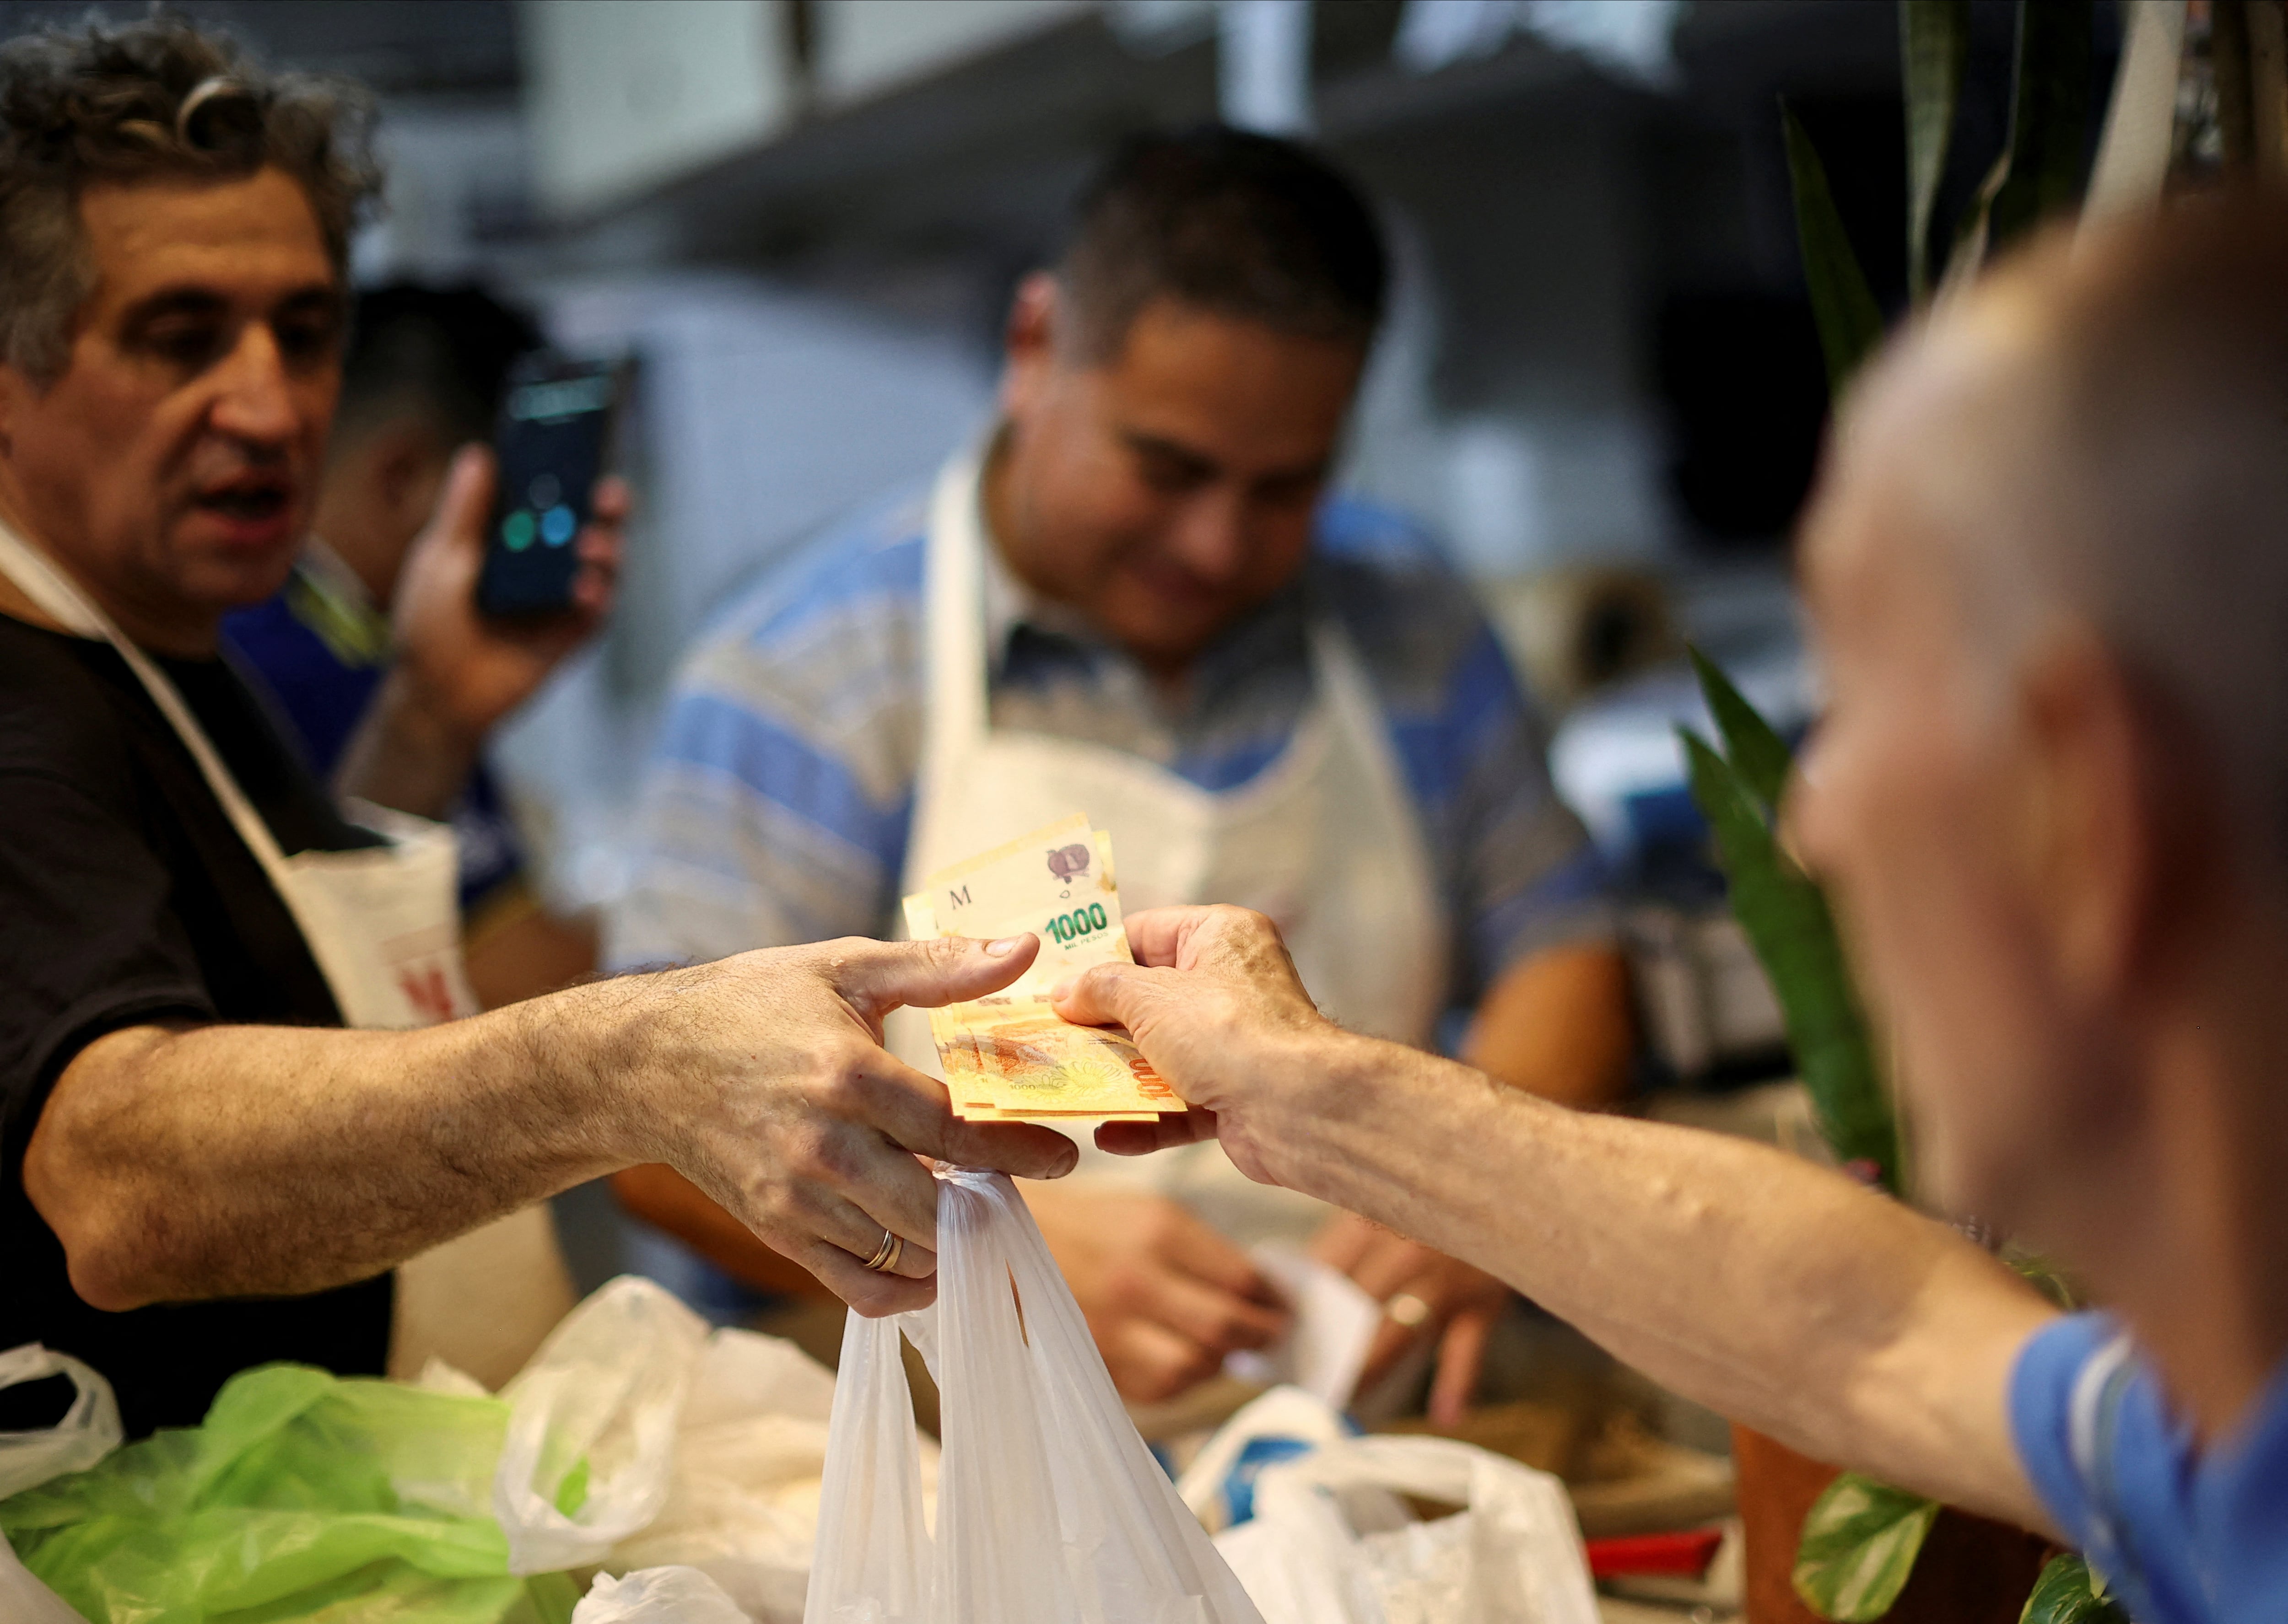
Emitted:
<point x="1013" y="1059"/>
<point x="1010" y="1057"/>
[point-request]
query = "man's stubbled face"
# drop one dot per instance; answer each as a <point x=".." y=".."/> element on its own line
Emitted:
<point x="173" y="463"/>
<point x="1169" y="489"/>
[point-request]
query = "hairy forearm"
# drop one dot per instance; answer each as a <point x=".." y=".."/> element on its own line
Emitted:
<point x="1777" y="1293"/>
<point x="255" y="1160"/>
<point x="407" y="753"/>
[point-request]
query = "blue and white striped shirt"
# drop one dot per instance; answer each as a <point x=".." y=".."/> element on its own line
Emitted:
<point x="777" y="805"/>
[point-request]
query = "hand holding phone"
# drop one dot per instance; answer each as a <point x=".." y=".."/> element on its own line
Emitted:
<point x="555" y="433"/>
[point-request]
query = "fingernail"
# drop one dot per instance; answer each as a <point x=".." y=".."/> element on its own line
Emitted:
<point x="1007" y="946"/>
<point x="1063" y="989"/>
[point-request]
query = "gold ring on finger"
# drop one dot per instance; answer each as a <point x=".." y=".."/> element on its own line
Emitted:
<point x="886" y="1255"/>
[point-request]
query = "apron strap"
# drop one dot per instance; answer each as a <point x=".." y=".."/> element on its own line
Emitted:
<point x="61" y="600"/>
<point x="955" y="709"/>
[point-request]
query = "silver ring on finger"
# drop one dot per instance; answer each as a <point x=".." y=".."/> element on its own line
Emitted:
<point x="885" y="1260"/>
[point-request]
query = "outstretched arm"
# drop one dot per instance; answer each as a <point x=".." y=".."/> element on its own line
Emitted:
<point x="1782" y="1295"/>
<point x="257" y="1160"/>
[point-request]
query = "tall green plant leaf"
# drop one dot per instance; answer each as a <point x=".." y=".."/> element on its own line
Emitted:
<point x="2043" y="1276"/>
<point x="1860" y="1541"/>
<point x="1757" y="754"/>
<point x="2069" y="1593"/>
<point x="2049" y="118"/>
<point x="1842" y="305"/>
<point x="1933" y="44"/>
<point x="1788" y="924"/>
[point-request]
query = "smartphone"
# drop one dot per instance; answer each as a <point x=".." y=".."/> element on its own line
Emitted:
<point x="556" y="427"/>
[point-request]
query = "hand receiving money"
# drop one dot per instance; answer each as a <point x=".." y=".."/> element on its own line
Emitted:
<point x="1011" y="1057"/>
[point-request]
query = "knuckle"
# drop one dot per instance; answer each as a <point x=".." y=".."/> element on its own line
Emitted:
<point x="844" y="1085"/>
<point x="778" y="1218"/>
<point x="1123" y="1284"/>
<point x="814" y="1154"/>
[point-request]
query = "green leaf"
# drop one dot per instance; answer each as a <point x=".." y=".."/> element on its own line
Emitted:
<point x="2043" y="1276"/>
<point x="1843" y="306"/>
<point x="1787" y="922"/>
<point x="1933" y="44"/>
<point x="1755" y="751"/>
<point x="2049" y="118"/>
<point x="1860" y="1541"/>
<point x="2069" y="1593"/>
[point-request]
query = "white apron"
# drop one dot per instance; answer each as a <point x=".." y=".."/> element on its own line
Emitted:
<point x="1324" y="840"/>
<point x="384" y="926"/>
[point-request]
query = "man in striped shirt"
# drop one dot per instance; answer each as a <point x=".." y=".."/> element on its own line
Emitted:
<point x="1178" y="629"/>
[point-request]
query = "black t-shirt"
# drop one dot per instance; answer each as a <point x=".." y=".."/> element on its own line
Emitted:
<point x="127" y="896"/>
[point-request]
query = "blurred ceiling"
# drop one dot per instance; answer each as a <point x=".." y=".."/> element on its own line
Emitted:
<point x="398" y="47"/>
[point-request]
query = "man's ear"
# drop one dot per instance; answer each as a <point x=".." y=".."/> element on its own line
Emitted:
<point x="406" y="462"/>
<point x="1030" y="341"/>
<point x="2103" y="814"/>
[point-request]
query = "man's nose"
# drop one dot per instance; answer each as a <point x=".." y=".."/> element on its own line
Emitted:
<point x="1210" y="537"/>
<point x="254" y="402"/>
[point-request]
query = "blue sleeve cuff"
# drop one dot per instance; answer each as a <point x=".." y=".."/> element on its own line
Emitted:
<point x="2043" y="1382"/>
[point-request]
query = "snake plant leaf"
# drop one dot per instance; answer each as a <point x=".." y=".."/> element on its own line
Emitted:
<point x="1757" y="754"/>
<point x="1788" y="924"/>
<point x="2043" y="1276"/>
<point x="2069" y="1592"/>
<point x="1860" y="1541"/>
<point x="1934" y="46"/>
<point x="1842" y="305"/>
<point x="2049" y="118"/>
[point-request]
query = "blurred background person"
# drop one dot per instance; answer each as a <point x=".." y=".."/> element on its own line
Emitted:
<point x="422" y="376"/>
<point x="1134" y="596"/>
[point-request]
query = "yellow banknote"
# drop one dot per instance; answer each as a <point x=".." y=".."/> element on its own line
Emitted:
<point x="1011" y="1057"/>
<point x="1056" y="882"/>
<point x="1016" y="1058"/>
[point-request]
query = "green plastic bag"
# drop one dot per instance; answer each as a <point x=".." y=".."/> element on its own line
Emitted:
<point x="303" y="1496"/>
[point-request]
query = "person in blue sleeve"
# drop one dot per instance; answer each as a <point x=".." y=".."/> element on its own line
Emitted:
<point x="422" y="376"/>
<point x="2048" y="570"/>
<point x="1134" y="596"/>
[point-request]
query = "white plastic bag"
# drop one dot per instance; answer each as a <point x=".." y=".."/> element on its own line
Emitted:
<point x="603" y="1397"/>
<point x="1327" y="1340"/>
<point x="1220" y="1483"/>
<point x="1331" y="1543"/>
<point x="88" y="1431"/>
<point x="743" y="1500"/>
<point x="1050" y="1509"/>
<point x="657" y="1595"/>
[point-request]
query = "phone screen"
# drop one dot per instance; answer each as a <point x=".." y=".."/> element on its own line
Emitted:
<point x="554" y="424"/>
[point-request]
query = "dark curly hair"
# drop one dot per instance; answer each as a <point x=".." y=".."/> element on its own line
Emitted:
<point x="156" y="99"/>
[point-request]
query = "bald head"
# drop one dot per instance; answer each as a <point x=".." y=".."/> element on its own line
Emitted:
<point x="2098" y="434"/>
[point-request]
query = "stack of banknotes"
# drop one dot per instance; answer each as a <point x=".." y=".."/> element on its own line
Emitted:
<point x="1011" y="1057"/>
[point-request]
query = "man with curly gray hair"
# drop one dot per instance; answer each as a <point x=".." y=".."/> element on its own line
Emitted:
<point x="159" y="101"/>
<point x="200" y="1170"/>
